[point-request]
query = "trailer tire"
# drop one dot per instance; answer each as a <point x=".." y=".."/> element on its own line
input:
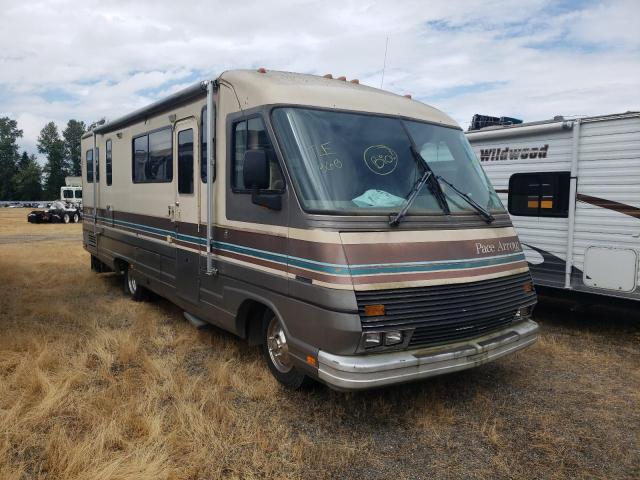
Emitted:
<point x="75" y="218"/>
<point x="131" y="286"/>
<point x="66" y="218"/>
<point x="276" y="353"/>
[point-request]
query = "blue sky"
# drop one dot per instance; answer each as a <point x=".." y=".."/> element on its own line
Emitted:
<point x="532" y="59"/>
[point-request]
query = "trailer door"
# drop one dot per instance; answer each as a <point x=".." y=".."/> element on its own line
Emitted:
<point x="185" y="216"/>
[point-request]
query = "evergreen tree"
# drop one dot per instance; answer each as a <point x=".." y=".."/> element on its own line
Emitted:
<point x="56" y="168"/>
<point x="9" y="135"/>
<point x="72" y="136"/>
<point x="28" y="180"/>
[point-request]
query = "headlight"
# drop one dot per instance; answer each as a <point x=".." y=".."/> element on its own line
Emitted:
<point x="392" y="338"/>
<point x="372" y="339"/>
<point x="522" y="313"/>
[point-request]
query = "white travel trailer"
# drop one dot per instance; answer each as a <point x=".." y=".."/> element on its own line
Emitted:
<point x="349" y="231"/>
<point x="572" y="187"/>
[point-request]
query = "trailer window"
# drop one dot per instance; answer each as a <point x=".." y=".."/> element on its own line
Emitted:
<point x="185" y="161"/>
<point x="108" y="161"/>
<point x="539" y="194"/>
<point x="153" y="157"/>
<point x="251" y="134"/>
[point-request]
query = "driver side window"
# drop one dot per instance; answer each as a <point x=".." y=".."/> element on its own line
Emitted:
<point x="251" y="134"/>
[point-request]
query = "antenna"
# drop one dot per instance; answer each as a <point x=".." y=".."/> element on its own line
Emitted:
<point x="384" y="63"/>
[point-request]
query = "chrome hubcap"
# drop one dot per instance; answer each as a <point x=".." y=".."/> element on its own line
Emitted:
<point x="132" y="283"/>
<point x="277" y="346"/>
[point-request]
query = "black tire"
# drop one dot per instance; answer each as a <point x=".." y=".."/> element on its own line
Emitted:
<point x="75" y="218"/>
<point x="283" y="371"/>
<point x="131" y="286"/>
<point x="66" y="218"/>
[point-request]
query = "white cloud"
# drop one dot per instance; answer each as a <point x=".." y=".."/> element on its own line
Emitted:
<point x="63" y="59"/>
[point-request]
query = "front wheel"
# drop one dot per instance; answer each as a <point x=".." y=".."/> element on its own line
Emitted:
<point x="275" y="350"/>
<point x="131" y="287"/>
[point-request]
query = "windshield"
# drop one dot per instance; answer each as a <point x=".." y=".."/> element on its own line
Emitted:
<point x="362" y="164"/>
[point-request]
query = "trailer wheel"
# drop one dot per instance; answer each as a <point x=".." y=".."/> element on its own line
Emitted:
<point x="276" y="352"/>
<point x="75" y="218"/>
<point x="66" y="218"/>
<point x="131" y="287"/>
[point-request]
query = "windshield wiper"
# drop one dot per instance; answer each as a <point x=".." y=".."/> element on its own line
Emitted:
<point x="484" y="213"/>
<point x="395" y="219"/>
<point x="436" y="189"/>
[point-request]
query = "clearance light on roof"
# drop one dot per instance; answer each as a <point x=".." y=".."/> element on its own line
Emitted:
<point x="355" y="80"/>
<point x="262" y="70"/>
<point x="328" y="75"/>
<point x="407" y="96"/>
<point x="342" y="78"/>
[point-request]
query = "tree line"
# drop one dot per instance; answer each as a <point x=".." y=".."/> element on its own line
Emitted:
<point x="22" y="177"/>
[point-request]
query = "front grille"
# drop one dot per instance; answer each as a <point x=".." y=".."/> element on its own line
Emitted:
<point x="447" y="313"/>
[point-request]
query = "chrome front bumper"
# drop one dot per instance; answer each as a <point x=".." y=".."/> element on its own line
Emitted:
<point x="359" y="372"/>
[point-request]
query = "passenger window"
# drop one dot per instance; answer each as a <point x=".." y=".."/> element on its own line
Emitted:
<point x="539" y="194"/>
<point x="185" y="161"/>
<point x="89" y="157"/>
<point x="251" y="134"/>
<point x="203" y="145"/>
<point x="108" y="161"/>
<point x="153" y="158"/>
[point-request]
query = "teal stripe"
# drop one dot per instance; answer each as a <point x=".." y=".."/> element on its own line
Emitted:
<point x="330" y="268"/>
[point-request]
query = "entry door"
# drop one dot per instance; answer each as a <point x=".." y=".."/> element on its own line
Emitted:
<point x="186" y="209"/>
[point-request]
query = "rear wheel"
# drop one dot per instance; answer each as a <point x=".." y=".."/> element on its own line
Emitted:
<point x="275" y="350"/>
<point x="75" y="218"/>
<point x="131" y="287"/>
<point x="66" y="218"/>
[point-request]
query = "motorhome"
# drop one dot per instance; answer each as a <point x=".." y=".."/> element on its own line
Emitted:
<point x="572" y="187"/>
<point x="349" y="231"/>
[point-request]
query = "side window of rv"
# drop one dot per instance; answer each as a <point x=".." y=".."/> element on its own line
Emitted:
<point x="152" y="159"/>
<point x="251" y="134"/>
<point x="108" y="161"/>
<point x="539" y="194"/>
<point x="185" y="161"/>
<point x="89" y="158"/>
<point x="203" y="144"/>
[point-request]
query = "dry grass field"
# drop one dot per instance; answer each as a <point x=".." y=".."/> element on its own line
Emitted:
<point x="94" y="386"/>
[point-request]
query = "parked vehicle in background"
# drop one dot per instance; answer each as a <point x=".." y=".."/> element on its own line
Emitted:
<point x="58" y="212"/>
<point x="348" y="230"/>
<point x="572" y="187"/>
<point x="72" y="191"/>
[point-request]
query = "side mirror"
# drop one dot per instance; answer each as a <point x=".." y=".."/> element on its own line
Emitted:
<point x="255" y="174"/>
<point x="255" y="171"/>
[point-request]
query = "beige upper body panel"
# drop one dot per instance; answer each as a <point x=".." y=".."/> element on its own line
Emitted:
<point x="273" y="87"/>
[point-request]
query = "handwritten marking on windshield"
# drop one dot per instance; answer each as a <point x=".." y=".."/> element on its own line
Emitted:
<point x="380" y="159"/>
<point x="330" y="161"/>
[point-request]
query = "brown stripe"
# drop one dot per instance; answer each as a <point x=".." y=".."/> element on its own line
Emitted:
<point x="610" y="205"/>
<point x="431" y="251"/>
